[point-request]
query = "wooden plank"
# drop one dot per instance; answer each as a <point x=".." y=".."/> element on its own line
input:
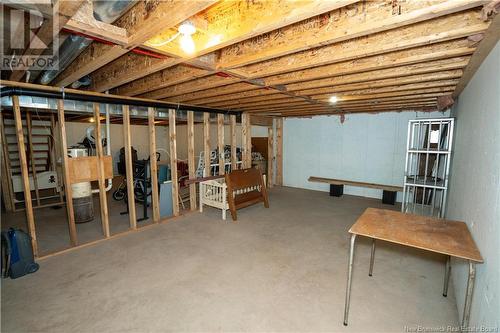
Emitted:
<point x="7" y="190"/>
<point x="422" y="232"/>
<point x="24" y="174"/>
<point x="234" y="157"/>
<point x="29" y="137"/>
<point x="355" y="183"/>
<point x="100" y="171"/>
<point x="142" y="22"/>
<point x="490" y="39"/>
<point x="173" y="160"/>
<point x="270" y="157"/>
<point x="65" y="170"/>
<point x="206" y="143"/>
<point x="154" y="167"/>
<point x="86" y="169"/>
<point x="220" y="143"/>
<point x="339" y="27"/>
<point x="191" y="161"/>
<point x="416" y="35"/>
<point x="127" y="143"/>
<point x="279" y="151"/>
<point x="246" y="138"/>
<point x="55" y="154"/>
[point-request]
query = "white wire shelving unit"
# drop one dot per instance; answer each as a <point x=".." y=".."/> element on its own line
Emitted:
<point x="428" y="155"/>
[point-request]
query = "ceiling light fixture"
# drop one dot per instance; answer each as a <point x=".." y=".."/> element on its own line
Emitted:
<point x="186" y="29"/>
<point x="333" y="99"/>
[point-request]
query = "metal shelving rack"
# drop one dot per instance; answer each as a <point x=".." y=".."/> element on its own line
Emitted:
<point x="428" y="154"/>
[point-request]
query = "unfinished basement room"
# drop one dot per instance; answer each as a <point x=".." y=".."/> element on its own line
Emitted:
<point x="250" y="166"/>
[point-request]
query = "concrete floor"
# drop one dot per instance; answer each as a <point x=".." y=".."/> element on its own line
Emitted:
<point x="281" y="269"/>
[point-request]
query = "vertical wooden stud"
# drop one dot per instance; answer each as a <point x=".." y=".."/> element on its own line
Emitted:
<point x="234" y="157"/>
<point x="54" y="153"/>
<point x="247" y="140"/>
<point x="270" y="157"/>
<point x="66" y="178"/>
<point x="173" y="161"/>
<point x="127" y="142"/>
<point x="220" y="143"/>
<point x="279" y="152"/>
<point x="32" y="156"/>
<point x="206" y="143"/>
<point x="100" y="171"/>
<point x="7" y="190"/>
<point x="154" y="167"/>
<point x="191" y="163"/>
<point x="24" y="174"/>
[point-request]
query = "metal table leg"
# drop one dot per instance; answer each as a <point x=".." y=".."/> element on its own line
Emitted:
<point x="349" y="279"/>
<point x="447" y="272"/>
<point x="468" y="295"/>
<point x="372" y="258"/>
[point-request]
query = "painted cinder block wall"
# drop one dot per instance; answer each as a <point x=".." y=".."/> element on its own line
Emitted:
<point x="474" y="195"/>
<point x="366" y="147"/>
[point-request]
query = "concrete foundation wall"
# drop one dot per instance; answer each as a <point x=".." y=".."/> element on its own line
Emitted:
<point x="366" y="148"/>
<point x="474" y="195"/>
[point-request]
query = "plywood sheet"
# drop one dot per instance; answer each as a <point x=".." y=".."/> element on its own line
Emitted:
<point x="84" y="169"/>
<point x="428" y="233"/>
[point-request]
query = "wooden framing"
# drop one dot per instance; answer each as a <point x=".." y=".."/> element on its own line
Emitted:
<point x="191" y="161"/>
<point x="127" y="143"/>
<point x="220" y="143"/>
<point x="246" y="137"/>
<point x="279" y="151"/>
<point x="101" y="181"/>
<point x="234" y="157"/>
<point x="154" y="167"/>
<point x="206" y="143"/>
<point x="32" y="163"/>
<point x="24" y="174"/>
<point x="270" y="157"/>
<point x="7" y="190"/>
<point x="173" y="160"/>
<point x="65" y="169"/>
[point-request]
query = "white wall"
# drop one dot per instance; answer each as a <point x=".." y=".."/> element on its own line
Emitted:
<point x="474" y="195"/>
<point x="366" y="147"/>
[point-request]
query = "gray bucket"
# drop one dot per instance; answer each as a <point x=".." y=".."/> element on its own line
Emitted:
<point x="84" y="209"/>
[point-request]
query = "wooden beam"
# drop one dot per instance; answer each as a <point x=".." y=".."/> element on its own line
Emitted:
<point x="100" y="170"/>
<point x="167" y="77"/>
<point x="336" y="28"/>
<point x="270" y="156"/>
<point x="45" y="34"/>
<point x="417" y="35"/>
<point x="279" y="151"/>
<point x="173" y="160"/>
<point x="154" y="167"/>
<point x="7" y="190"/>
<point x="490" y="39"/>
<point x="29" y="137"/>
<point x="68" y="191"/>
<point x="127" y="143"/>
<point x="234" y="157"/>
<point x="21" y="147"/>
<point x="211" y="92"/>
<point x="206" y="144"/>
<point x="220" y="143"/>
<point x="191" y="161"/>
<point x="142" y="22"/>
<point x="246" y="137"/>
<point x="84" y="22"/>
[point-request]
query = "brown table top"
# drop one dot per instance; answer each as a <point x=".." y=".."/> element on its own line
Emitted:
<point x="427" y="233"/>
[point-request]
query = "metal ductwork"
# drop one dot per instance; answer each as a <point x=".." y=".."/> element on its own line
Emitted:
<point x="106" y="11"/>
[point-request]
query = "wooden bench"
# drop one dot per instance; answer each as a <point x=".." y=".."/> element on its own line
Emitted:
<point x="337" y="188"/>
<point x="244" y="188"/>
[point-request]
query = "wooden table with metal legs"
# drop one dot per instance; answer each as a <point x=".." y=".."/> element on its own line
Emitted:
<point x="451" y="238"/>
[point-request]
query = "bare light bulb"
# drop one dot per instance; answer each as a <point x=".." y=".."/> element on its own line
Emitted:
<point x="187" y="44"/>
<point x="333" y="99"/>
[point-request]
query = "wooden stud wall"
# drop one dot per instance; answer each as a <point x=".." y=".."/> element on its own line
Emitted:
<point x="173" y="160"/>
<point x="220" y="143"/>
<point x="279" y="151"/>
<point x="191" y="160"/>
<point x="206" y="143"/>
<point x="127" y="141"/>
<point x="102" y="186"/>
